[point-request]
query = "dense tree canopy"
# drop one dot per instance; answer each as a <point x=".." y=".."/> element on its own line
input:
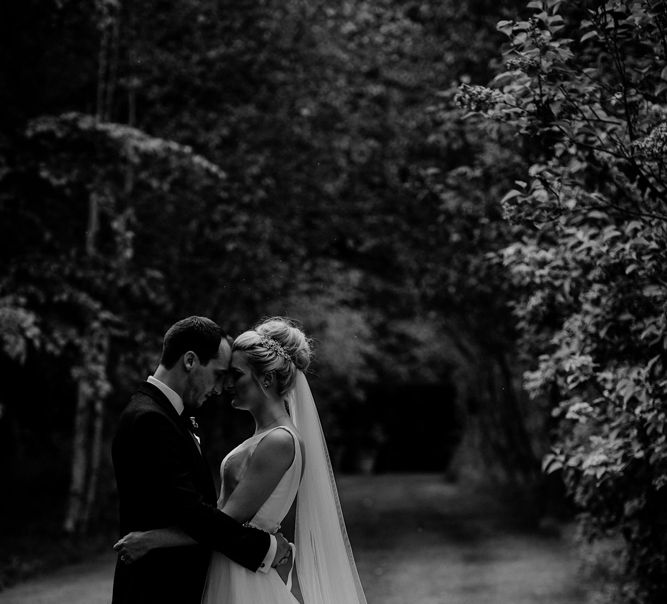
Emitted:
<point x="239" y="159"/>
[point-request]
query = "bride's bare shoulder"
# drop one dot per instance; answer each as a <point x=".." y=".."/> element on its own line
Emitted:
<point x="277" y="446"/>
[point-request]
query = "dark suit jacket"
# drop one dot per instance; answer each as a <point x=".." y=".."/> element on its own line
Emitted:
<point x="163" y="481"/>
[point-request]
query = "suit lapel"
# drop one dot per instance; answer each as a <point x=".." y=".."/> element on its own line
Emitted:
<point x="158" y="396"/>
<point x="199" y="463"/>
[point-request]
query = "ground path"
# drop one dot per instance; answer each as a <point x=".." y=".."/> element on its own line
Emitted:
<point x="417" y="540"/>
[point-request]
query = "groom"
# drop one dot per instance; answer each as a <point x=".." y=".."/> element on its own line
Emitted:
<point x="164" y="481"/>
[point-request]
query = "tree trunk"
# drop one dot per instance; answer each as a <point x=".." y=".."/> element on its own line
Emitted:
<point x="79" y="465"/>
<point x="102" y="67"/>
<point x="87" y="440"/>
<point x="527" y="458"/>
<point x="507" y="432"/>
<point x="113" y="68"/>
<point x="95" y="458"/>
<point x="93" y="224"/>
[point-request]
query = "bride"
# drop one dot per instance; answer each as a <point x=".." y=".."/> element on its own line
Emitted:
<point x="281" y="471"/>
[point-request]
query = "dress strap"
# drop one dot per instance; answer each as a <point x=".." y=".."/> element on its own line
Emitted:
<point x="287" y="429"/>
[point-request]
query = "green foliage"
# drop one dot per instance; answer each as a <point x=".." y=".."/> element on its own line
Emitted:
<point x="584" y="89"/>
<point x="73" y="271"/>
<point x="18" y="328"/>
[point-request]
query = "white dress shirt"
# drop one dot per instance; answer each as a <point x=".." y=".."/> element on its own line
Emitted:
<point x="176" y="400"/>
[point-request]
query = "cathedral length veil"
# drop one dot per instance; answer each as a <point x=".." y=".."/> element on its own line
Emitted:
<point x="324" y="562"/>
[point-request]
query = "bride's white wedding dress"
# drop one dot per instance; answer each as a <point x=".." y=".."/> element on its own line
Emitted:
<point x="231" y="583"/>
<point x="324" y="562"/>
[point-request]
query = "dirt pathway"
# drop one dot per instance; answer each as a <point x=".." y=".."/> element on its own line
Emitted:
<point x="422" y="541"/>
<point x="416" y="539"/>
<point x="86" y="583"/>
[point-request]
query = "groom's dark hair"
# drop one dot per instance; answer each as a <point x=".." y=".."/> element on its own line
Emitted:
<point x="199" y="334"/>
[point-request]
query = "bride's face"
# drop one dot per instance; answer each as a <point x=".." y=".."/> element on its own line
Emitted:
<point x="244" y="389"/>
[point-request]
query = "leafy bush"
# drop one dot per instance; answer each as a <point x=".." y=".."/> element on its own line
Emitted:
<point x="584" y="90"/>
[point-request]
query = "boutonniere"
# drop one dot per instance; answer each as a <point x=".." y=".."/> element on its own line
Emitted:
<point x="193" y="429"/>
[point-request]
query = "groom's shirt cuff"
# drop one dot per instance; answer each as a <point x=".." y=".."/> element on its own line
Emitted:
<point x="265" y="566"/>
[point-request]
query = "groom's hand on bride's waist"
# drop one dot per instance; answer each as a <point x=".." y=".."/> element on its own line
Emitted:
<point x="283" y="551"/>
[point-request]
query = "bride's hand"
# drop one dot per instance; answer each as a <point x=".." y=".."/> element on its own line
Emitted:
<point x="283" y="551"/>
<point x="134" y="546"/>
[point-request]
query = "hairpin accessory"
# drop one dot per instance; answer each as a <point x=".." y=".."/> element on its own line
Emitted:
<point x="271" y="344"/>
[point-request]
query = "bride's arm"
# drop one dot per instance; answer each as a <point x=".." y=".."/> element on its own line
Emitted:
<point x="137" y="544"/>
<point x="270" y="460"/>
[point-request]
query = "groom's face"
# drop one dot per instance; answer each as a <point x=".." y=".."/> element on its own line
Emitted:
<point x="207" y="380"/>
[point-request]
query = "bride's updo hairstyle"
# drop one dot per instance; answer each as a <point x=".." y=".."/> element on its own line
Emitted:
<point x="276" y="346"/>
